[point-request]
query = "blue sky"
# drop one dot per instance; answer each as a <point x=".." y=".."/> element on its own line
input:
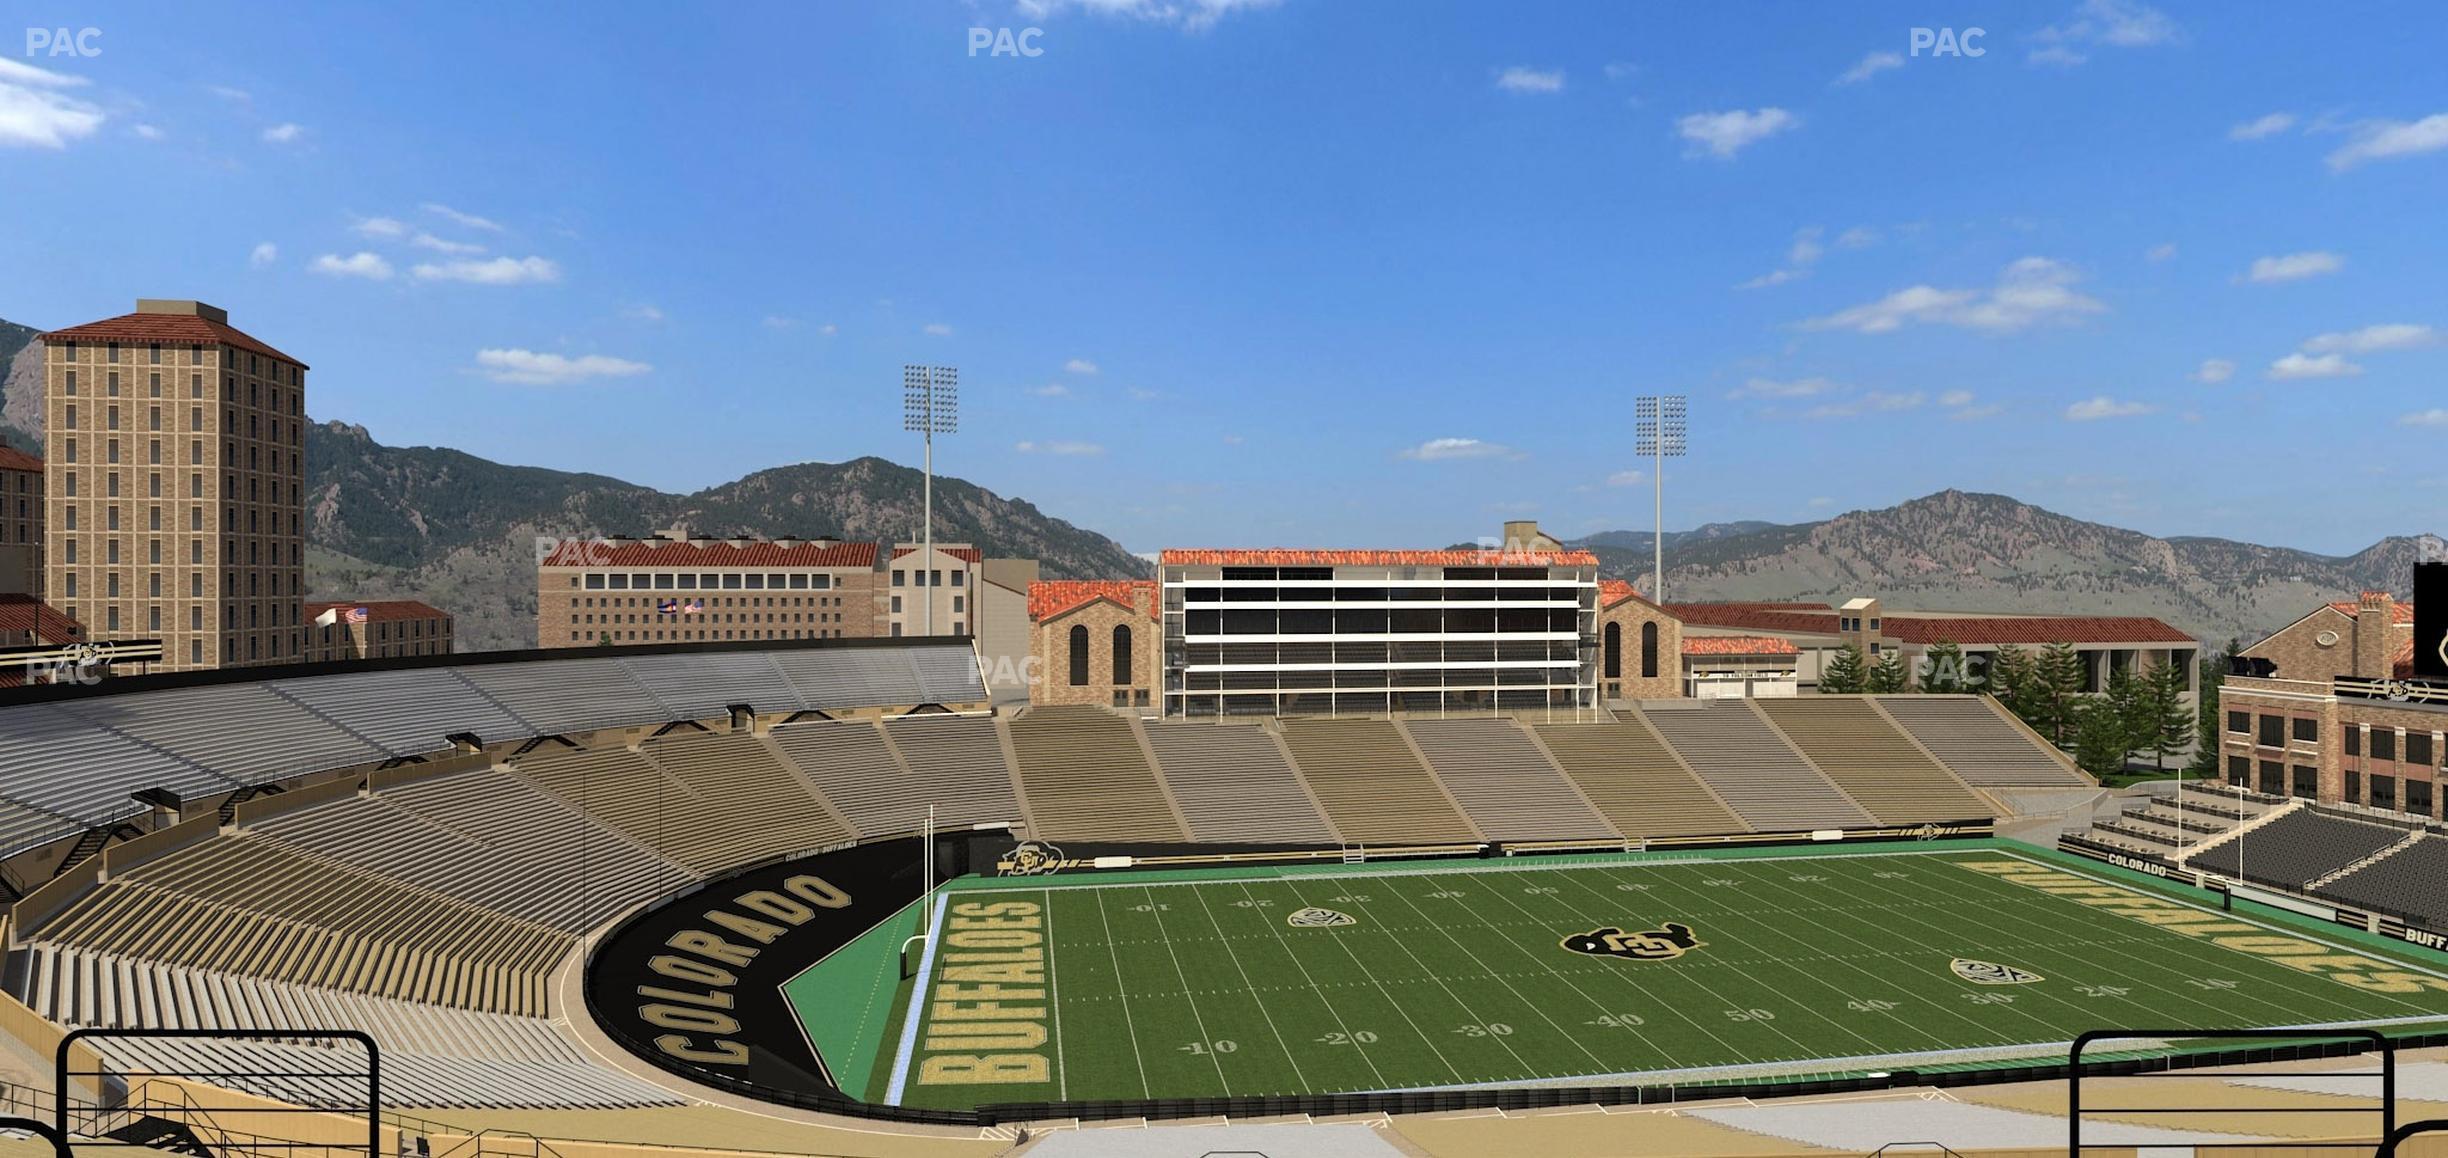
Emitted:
<point x="1307" y="272"/>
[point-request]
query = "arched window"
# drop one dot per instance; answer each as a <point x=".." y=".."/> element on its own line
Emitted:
<point x="1614" y="651"/>
<point x="1122" y="654"/>
<point x="1649" y="650"/>
<point x="1079" y="655"/>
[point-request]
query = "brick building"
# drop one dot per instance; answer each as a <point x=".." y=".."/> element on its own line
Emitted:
<point x="1640" y="646"/>
<point x="376" y="629"/>
<point x="1094" y="642"/>
<point x="2332" y="708"/>
<point x="21" y="523"/>
<point x="174" y="470"/>
<point x="616" y="591"/>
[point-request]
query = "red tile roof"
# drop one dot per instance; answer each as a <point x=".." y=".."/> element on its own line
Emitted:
<point x="2037" y="630"/>
<point x="1738" y="645"/>
<point x="169" y="329"/>
<point x="12" y="458"/>
<point x="1305" y="557"/>
<point x="382" y="610"/>
<point x="26" y="613"/>
<point x="1048" y="598"/>
<point x="971" y="554"/>
<point x="1614" y="591"/>
<point x="2401" y="665"/>
<point x="668" y="553"/>
<point x="2399" y="610"/>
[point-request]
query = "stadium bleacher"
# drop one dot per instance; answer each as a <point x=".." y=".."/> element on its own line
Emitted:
<point x="1642" y="787"/>
<point x="1975" y="737"/>
<point x="628" y="793"/>
<point x="1086" y="779"/>
<point x="1752" y="768"/>
<point x="2297" y="848"/>
<point x="1371" y="786"/>
<point x="406" y="712"/>
<point x="956" y="763"/>
<point x="1872" y="761"/>
<point x="856" y="770"/>
<point x="2408" y="882"/>
<point x="1235" y="785"/>
<point x="743" y="785"/>
<point x="1507" y="787"/>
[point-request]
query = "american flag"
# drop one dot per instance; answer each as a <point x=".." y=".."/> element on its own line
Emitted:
<point x="356" y="615"/>
<point x="668" y="606"/>
<point x="696" y="606"/>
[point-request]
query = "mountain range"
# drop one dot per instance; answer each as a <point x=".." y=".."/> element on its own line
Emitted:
<point x="459" y="531"/>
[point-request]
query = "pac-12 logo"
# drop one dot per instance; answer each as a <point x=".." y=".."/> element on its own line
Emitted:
<point x="1317" y="918"/>
<point x="1992" y="973"/>
<point x="1661" y="944"/>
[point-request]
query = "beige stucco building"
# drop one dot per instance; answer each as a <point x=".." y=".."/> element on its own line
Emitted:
<point x="1095" y="642"/>
<point x="617" y="591"/>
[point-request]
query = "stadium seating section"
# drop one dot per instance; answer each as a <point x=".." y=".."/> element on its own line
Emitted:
<point x="433" y="907"/>
<point x="2296" y="849"/>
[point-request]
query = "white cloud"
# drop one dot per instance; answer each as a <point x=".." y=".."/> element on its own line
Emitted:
<point x="1080" y="366"/>
<point x="444" y="245"/>
<point x="1141" y="394"/>
<point x="1620" y="70"/>
<point x="2160" y="252"/>
<point x="1068" y="449"/>
<point x="2371" y="339"/>
<point x="496" y="271"/>
<point x="2032" y="291"/>
<point x="1523" y="79"/>
<point x="2384" y="140"/>
<point x="382" y="227"/>
<point x="1976" y="413"/>
<point x="778" y="322"/>
<point x="2296" y="366"/>
<point x="2259" y="127"/>
<point x="1870" y="66"/>
<point x="284" y="133"/>
<point x="34" y="113"/>
<point x="2214" y="371"/>
<point x="147" y="132"/>
<point x="1722" y="135"/>
<point x="1805" y="252"/>
<point x="1954" y="398"/>
<point x="528" y="368"/>
<point x="236" y="96"/>
<point x="463" y="220"/>
<point x="1874" y="402"/>
<point x="2293" y="267"/>
<point x="1188" y="15"/>
<point x="2103" y="23"/>
<point x="1772" y="388"/>
<point x="828" y="329"/>
<point x="1234" y="440"/>
<point x="1051" y="390"/>
<point x="646" y="312"/>
<point x="2433" y="417"/>
<point x="366" y="265"/>
<point x="1858" y="237"/>
<point x="264" y="253"/>
<point x="1627" y="478"/>
<point x="2094" y="409"/>
<point x="1772" y="277"/>
<point x="1449" y="449"/>
<point x="938" y="329"/>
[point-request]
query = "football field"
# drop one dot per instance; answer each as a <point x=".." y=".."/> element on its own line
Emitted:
<point x="1624" y="972"/>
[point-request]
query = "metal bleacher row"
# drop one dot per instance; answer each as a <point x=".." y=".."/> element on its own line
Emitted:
<point x="438" y="907"/>
<point x="73" y="763"/>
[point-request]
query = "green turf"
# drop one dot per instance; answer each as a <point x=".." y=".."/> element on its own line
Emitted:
<point x="848" y="1002"/>
<point x="1454" y="975"/>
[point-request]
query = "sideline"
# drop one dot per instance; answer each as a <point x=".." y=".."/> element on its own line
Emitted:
<point x="917" y="1007"/>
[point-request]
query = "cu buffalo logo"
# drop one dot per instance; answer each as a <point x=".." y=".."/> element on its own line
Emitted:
<point x="1661" y="944"/>
<point x="1031" y="858"/>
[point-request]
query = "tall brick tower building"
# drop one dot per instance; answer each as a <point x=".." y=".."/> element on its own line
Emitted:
<point x="174" y="463"/>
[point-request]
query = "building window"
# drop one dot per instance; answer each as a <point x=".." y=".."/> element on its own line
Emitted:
<point x="2239" y="771"/>
<point x="2273" y="731"/>
<point x="2354" y="739"/>
<point x="897" y="578"/>
<point x="1649" y="648"/>
<point x="1614" y="651"/>
<point x="2384" y="744"/>
<point x="1079" y="655"/>
<point x="2418" y="748"/>
<point x="1121" y="652"/>
<point x="2307" y="729"/>
<point x="2239" y="723"/>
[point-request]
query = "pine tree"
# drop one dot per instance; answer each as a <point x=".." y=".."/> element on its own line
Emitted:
<point x="2205" y="762"/>
<point x="2058" y="695"/>
<point x="1843" y="675"/>
<point x="1943" y="670"/>
<point x="2128" y="699"/>
<point x="1888" y="676"/>
<point x="2010" y="680"/>
<point x="2171" y="720"/>
<point x="2100" y="737"/>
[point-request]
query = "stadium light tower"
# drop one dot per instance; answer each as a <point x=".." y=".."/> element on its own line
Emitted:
<point x="930" y="405"/>
<point x="1658" y="427"/>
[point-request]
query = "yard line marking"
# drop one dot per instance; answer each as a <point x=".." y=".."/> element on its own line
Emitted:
<point x="1337" y="1014"/>
<point x="917" y="1007"/>
<point x="2105" y="964"/>
<point x="1747" y="975"/>
<point x="1122" y="990"/>
<point x="1252" y="987"/>
<point x="1205" y="1042"/>
<point x="1062" y="1071"/>
<point x="1535" y="1007"/>
<point x="1397" y="1006"/>
<point x="1473" y="1014"/>
<point x="1646" y="995"/>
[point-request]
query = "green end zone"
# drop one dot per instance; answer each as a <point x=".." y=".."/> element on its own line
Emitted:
<point x="1626" y="970"/>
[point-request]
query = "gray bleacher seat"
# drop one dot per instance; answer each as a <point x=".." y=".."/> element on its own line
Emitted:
<point x="1234" y="785"/>
<point x="1752" y="767"/>
<point x="947" y="674"/>
<point x="2411" y="882"/>
<point x="238" y="732"/>
<point x="2297" y="848"/>
<point x="1970" y="736"/>
<point x="700" y="685"/>
<point x="568" y="695"/>
<point x="1509" y="788"/>
<point x="857" y="677"/>
<point x="406" y="713"/>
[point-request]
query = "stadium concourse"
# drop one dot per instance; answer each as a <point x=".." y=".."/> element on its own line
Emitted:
<point x="424" y="850"/>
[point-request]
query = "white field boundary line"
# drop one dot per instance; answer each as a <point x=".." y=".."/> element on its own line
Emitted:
<point x="1062" y="1070"/>
<point x="804" y="1035"/>
<point x="917" y="1008"/>
<point x="2188" y="902"/>
<point x="1543" y="864"/>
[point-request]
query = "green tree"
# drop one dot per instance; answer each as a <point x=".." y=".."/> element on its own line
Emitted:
<point x="1843" y="675"/>
<point x="2011" y="676"/>
<point x="1942" y="670"/>
<point x="2206" y="715"/>
<point x="2057" y="694"/>
<point x="2171" y="720"/>
<point x="2100" y="737"/>
<point x="1888" y="676"/>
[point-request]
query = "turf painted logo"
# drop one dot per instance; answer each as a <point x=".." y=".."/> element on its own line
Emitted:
<point x="1992" y="973"/>
<point x="1315" y="918"/>
<point x="1661" y="944"/>
<point x="1030" y="859"/>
